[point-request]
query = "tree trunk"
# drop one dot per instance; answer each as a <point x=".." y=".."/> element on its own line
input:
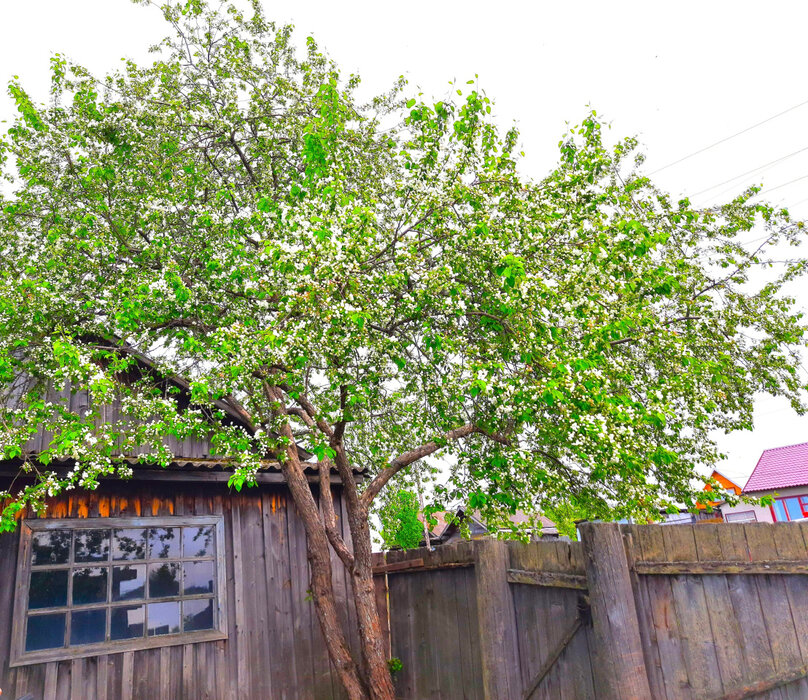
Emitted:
<point x="380" y="681"/>
<point x="378" y="674"/>
<point x="322" y="584"/>
<point x="374" y="681"/>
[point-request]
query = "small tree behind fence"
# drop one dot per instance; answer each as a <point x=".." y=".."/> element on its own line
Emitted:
<point x="701" y="612"/>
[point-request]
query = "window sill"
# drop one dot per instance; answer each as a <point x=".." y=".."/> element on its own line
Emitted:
<point x="104" y="648"/>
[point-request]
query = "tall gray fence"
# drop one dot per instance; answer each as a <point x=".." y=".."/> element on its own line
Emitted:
<point x="707" y="612"/>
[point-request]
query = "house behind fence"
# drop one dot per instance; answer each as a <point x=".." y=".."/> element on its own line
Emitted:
<point x="707" y="612"/>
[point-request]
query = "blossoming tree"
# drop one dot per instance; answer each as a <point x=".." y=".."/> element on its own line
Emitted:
<point x="376" y="283"/>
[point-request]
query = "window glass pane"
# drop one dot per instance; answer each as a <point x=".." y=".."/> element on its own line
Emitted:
<point x="197" y="577"/>
<point x="164" y="580"/>
<point x="793" y="508"/>
<point x="746" y="516"/>
<point x="779" y="511"/>
<point x="164" y="618"/>
<point x="128" y="582"/>
<point x="88" y="626"/>
<point x="197" y="615"/>
<point x="90" y="585"/>
<point x="52" y="547"/>
<point x="127" y="622"/>
<point x="164" y="543"/>
<point x="129" y="544"/>
<point x="92" y="545"/>
<point x="48" y="589"/>
<point x="197" y="541"/>
<point x="45" y="631"/>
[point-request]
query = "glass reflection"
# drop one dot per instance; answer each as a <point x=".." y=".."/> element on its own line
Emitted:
<point x="92" y="545"/>
<point x="164" y="542"/>
<point x="129" y="544"/>
<point x="164" y="580"/>
<point x="88" y="626"/>
<point x="197" y="615"/>
<point x="52" y="547"/>
<point x="127" y="622"/>
<point x="89" y="585"/>
<point x="197" y="577"/>
<point x="45" y="632"/>
<point x="197" y="541"/>
<point x="128" y="582"/>
<point x="48" y="589"/>
<point x="164" y="618"/>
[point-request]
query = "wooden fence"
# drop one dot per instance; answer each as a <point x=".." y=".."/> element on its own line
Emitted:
<point x="701" y="612"/>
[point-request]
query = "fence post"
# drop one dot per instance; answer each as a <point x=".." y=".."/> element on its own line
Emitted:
<point x="620" y="673"/>
<point x="497" y="622"/>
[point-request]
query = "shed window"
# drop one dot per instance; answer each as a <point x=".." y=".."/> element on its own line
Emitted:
<point x="102" y="585"/>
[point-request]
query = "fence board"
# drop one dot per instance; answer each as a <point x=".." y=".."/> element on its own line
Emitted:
<point x="726" y="631"/>
<point x="790" y="543"/>
<point x="658" y="593"/>
<point x="692" y="615"/>
<point x="774" y="601"/>
<point x="647" y="633"/>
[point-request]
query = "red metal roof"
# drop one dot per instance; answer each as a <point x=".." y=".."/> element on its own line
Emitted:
<point x="779" y="468"/>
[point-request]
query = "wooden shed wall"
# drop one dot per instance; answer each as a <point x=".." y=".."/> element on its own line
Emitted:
<point x="275" y="648"/>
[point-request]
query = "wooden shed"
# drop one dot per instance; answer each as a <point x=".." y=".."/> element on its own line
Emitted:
<point x="168" y="585"/>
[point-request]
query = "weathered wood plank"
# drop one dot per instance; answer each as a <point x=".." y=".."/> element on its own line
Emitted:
<point x="283" y="664"/>
<point x="552" y="658"/>
<point x="102" y="678"/>
<point x="757" y="687"/>
<point x="774" y="601"/>
<point x="301" y="608"/>
<point x="727" y="635"/>
<point x="402" y="626"/>
<point x="497" y="625"/>
<point x="653" y="664"/>
<point x="127" y="675"/>
<point x="696" y="632"/>
<point x="614" y="616"/>
<point x="468" y="641"/>
<point x="720" y="568"/>
<point x="550" y="579"/>
<point x="241" y="638"/>
<point x="790" y="544"/>
<point x="657" y="591"/>
<point x="743" y="594"/>
<point x="51" y="674"/>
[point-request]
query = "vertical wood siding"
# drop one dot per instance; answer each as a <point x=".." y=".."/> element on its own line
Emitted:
<point x="274" y="650"/>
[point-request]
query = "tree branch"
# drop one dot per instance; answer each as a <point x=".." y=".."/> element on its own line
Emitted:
<point x="330" y="516"/>
<point x="326" y="498"/>
<point x="407" y="458"/>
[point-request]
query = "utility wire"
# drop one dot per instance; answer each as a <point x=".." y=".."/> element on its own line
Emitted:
<point x="772" y="189"/>
<point x="727" y="138"/>
<point x="749" y="172"/>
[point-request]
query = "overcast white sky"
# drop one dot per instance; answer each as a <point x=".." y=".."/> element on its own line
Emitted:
<point x="681" y="76"/>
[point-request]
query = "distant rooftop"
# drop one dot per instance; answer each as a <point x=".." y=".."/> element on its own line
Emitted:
<point x="779" y="468"/>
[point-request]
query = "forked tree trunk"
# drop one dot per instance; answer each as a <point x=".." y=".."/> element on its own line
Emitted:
<point x="374" y="682"/>
<point x="370" y="680"/>
<point x="322" y="585"/>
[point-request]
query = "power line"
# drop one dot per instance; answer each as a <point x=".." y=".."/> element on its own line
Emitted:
<point x="727" y="138"/>
<point x="772" y="189"/>
<point x="749" y="172"/>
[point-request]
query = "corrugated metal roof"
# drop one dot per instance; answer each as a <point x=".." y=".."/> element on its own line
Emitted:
<point x="780" y="468"/>
<point x="179" y="462"/>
